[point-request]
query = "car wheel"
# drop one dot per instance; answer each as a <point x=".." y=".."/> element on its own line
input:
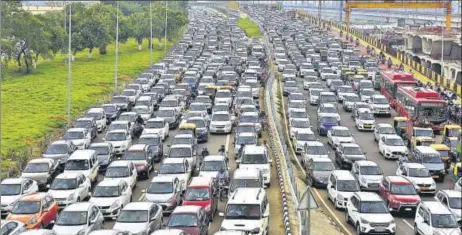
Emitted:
<point x="416" y="231"/>
<point x="347" y="217"/>
<point x="358" y="230"/>
<point x="78" y="199"/>
<point x="335" y="203"/>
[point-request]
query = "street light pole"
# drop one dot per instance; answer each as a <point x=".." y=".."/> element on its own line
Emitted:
<point x="116" y="76"/>
<point x="442" y="50"/>
<point x="166" y="25"/>
<point x="150" y="39"/>
<point x="69" y="55"/>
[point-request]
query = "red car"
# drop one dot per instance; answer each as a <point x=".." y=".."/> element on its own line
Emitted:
<point x="399" y="194"/>
<point x="191" y="219"/>
<point x="200" y="193"/>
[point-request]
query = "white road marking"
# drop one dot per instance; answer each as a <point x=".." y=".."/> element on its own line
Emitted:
<point x="345" y="229"/>
<point x="142" y="197"/>
<point x="408" y="224"/>
<point x="227" y="142"/>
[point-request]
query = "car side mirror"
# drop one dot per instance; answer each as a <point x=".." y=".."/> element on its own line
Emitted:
<point x="48" y="186"/>
<point x="221" y="214"/>
<point x="332" y="186"/>
<point x="354" y="209"/>
<point x="152" y="219"/>
<point x="426" y="221"/>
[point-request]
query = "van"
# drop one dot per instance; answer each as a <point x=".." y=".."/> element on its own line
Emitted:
<point x="200" y="192"/>
<point x="256" y="157"/>
<point x="340" y="186"/>
<point x="247" y="210"/>
<point x="431" y="159"/>
<point x="433" y="217"/>
<point x="85" y="162"/>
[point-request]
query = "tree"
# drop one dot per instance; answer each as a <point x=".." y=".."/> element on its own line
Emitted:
<point x="141" y="25"/>
<point x="96" y="26"/>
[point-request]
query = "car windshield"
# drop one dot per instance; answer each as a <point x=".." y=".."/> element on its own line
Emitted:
<point x="118" y="126"/>
<point x="57" y="149"/>
<point x="248" y="118"/>
<point x="160" y="188"/>
<point x="403" y="189"/>
<point x="77" y="165"/>
<point x="182" y="220"/>
<point x="133" y="216"/>
<point x="247" y="140"/>
<point x="212" y="165"/>
<point x="346" y="90"/>
<point x="348" y="186"/>
<point x="220" y="108"/>
<point x="328" y="99"/>
<point x="323" y="166"/>
<point x="352" y="98"/>
<point x="223" y="95"/>
<point x="380" y="101"/>
<point x="352" y="151"/>
<point x="100" y="150"/>
<point x="418" y="172"/>
<point x="74" y="135"/>
<point x="154" y="125"/>
<point x="172" y="168"/>
<point x="299" y="114"/>
<point x="10" y="189"/>
<point x="134" y="155"/>
<point x="243" y="211"/>
<point x="315" y="92"/>
<point x="328" y="120"/>
<point x="366" y="116"/>
<point x="367" y="92"/>
<point x="300" y="124"/>
<point x="431" y="159"/>
<point x="117" y="172"/>
<point x="83" y="124"/>
<point x="455" y="203"/>
<point x="306" y="137"/>
<point x="316" y="150"/>
<point x="182" y="140"/>
<point x="373" y="207"/>
<point x="36" y="168"/>
<point x="197" y="194"/>
<point x="141" y="110"/>
<point x="198" y="122"/>
<point x="220" y="118"/>
<point x="110" y="108"/>
<point x="328" y="110"/>
<point x="336" y="83"/>
<point x="169" y="103"/>
<point x="370" y="170"/>
<point x="116" y="100"/>
<point x="254" y="159"/>
<point x="166" y="113"/>
<point x="106" y="191"/>
<point x="198" y="107"/>
<point x="72" y="218"/>
<point x="205" y="100"/>
<point x="394" y="142"/>
<point x="296" y="97"/>
<point x="290" y="84"/>
<point x="26" y="207"/>
<point x="127" y="117"/>
<point x="341" y="133"/>
<point x="444" y="221"/>
<point x="64" y="184"/>
<point x="128" y="93"/>
<point x="424" y="132"/>
<point x="387" y="130"/>
<point x="111" y="136"/>
<point x="179" y="152"/>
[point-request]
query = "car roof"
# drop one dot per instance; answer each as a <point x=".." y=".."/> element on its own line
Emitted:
<point x="68" y="175"/>
<point x="200" y="181"/>
<point x="435" y="207"/>
<point x="33" y="197"/>
<point x="394" y="179"/>
<point x="110" y="182"/>
<point x="117" y="131"/>
<point x="149" y="136"/>
<point x="350" y="145"/>
<point x="181" y="146"/>
<point x="120" y="122"/>
<point x="84" y="119"/>
<point x="314" y="143"/>
<point x="138" y="147"/>
<point x="163" y="178"/>
<point x="173" y="160"/>
<point x="247" y="196"/>
<point x="330" y="105"/>
<point x="186" y="209"/>
<point x="13" y="180"/>
<point x="384" y="125"/>
<point x="221" y="112"/>
<point x="343" y="174"/>
<point x="76" y="129"/>
<point x="81" y="154"/>
<point x="246" y="134"/>
<point x="452" y="193"/>
<point x="102" y="144"/>
<point x="183" y="136"/>
<point x="156" y="119"/>
<point x="167" y="231"/>
<point x="340" y="128"/>
<point x="41" y="160"/>
<point x="138" y="206"/>
<point x="392" y="137"/>
<point x="426" y="149"/>
<point x="368" y="196"/>
<point x="214" y="158"/>
<point x="364" y="110"/>
<point x="321" y="159"/>
<point x="254" y="149"/>
<point x="365" y="163"/>
<point x="246" y="173"/>
<point x="119" y="163"/>
<point x="37" y="232"/>
<point x="414" y="165"/>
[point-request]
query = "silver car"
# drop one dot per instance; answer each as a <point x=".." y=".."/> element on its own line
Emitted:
<point x="42" y="170"/>
<point x="79" y="219"/>
<point x="11" y="227"/>
<point x="140" y="218"/>
<point x="165" y="191"/>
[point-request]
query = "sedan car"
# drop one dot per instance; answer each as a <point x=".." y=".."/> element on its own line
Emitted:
<point x="326" y="122"/>
<point x="368" y="174"/>
<point x="105" y="153"/>
<point x="164" y="190"/>
<point x="419" y="175"/>
<point x="13" y="189"/>
<point x="89" y="124"/>
<point x="318" y="171"/>
<point x="364" y="120"/>
<point x="452" y="199"/>
<point x="329" y="109"/>
<point x="80" y="137"/>
<point x="111" y="196"/>
<point x="298" y="124"/>
<point x="400" y="194"/>
<point x="383" y="129"/>
<point x="42" y="170"/>
<point x="69" y="188"/>
<point x="140" y="218"/>
<point x="79" y="218"/>
<point x="154" y="143"/>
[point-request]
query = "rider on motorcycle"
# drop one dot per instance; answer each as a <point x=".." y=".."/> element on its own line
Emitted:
<point x="241" y="149"/>
<point x="222" y="175"/>
<point x="205" y="152"/>
<point x="402" y="159"/>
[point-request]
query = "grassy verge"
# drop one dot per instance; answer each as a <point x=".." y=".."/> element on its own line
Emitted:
<point x="251" y="29"/>
<point x="36" y="104"/>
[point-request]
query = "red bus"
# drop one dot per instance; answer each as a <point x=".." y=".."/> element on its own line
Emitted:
<point x="422" y="104"/>
<point x="391" y="80"/>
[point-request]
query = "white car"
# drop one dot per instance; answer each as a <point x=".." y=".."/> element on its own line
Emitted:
<point x="328" y="109"/>
<point x="359" y="209"/>
<point x="120" y="139"/>
<point x="364" y="119"/>
<point x="308" y="85"/>
<point x="111" y="196"/>
<point x="12" y="227"/>
<point x="366" y="94"/>
<point x="144" y="111"/>
<point x="383" y="129"/>
<point x="100" y="117"/>
<point x="344" y="90"/>
<point x="452" y="200"/>
<point x="339" y="134"/>
<point x="80" y="137"/>
<point x="221" y="122"/>
<point x="224" y="96"/>
<point x="368" y="174"/>
<point x="380" y="105"/>
<point x="419" y="176"/>
<point x="296" y="104"/>
<point x="68" y="188"/>
<point x="157" y="126"/>
<point x="212" y="164"/>
<point x="165" y="191"/>
<point x="301" y="138"/>
<point x="12" y="190"/>
<point x="176" y="167"/>
<point x="349" y="100"/>
<point x="124" y="170"/>
<point x="251" y="117"/>
<point x="256" y="157"/>
<point x="314" y="149"/>
<point x="340" y="186"/>
<point x="298" y="124"/>
<point x="392" y="147"/>
<point x="314" y="95"/>
<point x="433" y="218"/>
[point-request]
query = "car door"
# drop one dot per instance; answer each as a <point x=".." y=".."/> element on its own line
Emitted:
<point x="126" y="193"/>
<point x="166" y="128"/>
<point x="86" y="186"/>
<point x="94" y="166"/>
<point x="376" y="133"/>
<point x="329" y="137"/>
<point x="353" y="209"/>
<point x="154" y="222"/>
<point x="331" y="187"/>
<point x="426" y="227"/>
<point x="92" y="219"/>
<point x="355" y="171"/>
<point x="133" y="174"/>
<point x="51" y="211"/>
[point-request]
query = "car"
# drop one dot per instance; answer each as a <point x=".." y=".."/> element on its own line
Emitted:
<point x="349" y="100"/>
<point x="166" y="191"/>
<point x="251" y="117"/>
<point x="327" y="97"/>
<point x="111" y="196"/>
<point x="434" y="218"/>
<point x="348" y="153"/>
<point x="122" y="102"/>
<point x="314" y="95"/>
<point x="335" y="84"/>
<point x="120" y="139"/>
<point x="247" y="210"/>
<point x="458" y="185"/>
<point x="307" y="85"/>
<point x="344" y="90"/>
<point x="59" y="151"/>
<point x="100" y="116"/>
<point x="201" y="192"/>
<point x="246" y="138"/>
<point x="431" y="159"/>
<point x="212" y="164"/>
<point x="109" y="232"/>
<point x="364" y="120"/>
<point x="383" y="129"/>
<point x="89" y="124"/>
<point x="191" y="219"/>
<point x="366" y="94"/>
<point x="289" y="87"/>
<point x="379" y="105"/>
<point x="358" y="212"/>
<point x="144" y="111"/>
<point x="131" y="94"/>
<point x="302" y="137"/>
<point x="169" y="231"/>
<point x="326" y="122"/>
<point x="122" y="170"/>
<point x="142" y="158"/>
<point x="392" y="147"/>
<point x="340" y="186"/>
<point x="221" y="122"/>
<point x="79" y="218"/>
<point x="37" y="210"/>
<point x="358" y="105"/>
<point x="80" y="137"/>
<point x="452" y="200"/>
<point x="224" y="96"/>
<point x="140" y="218"/>
<point x="202" y="128"/>
<point x="105" y="153"/>
<point x="176" y="167"/>
<point x="256" y="157"/>
<point x="69" y="188"/>
<point x="171" y="116"/>
<point x="368" y="173"/>
<point x="41" y="170"/>
<point x="13" y="189"/>
<point x="295" y="105"/>
<point x="155" y="144"/>
<point x="419" y="175"/>
<point x="11" y="227"/>
<point x="298" y="124"/>
<point x="318" y="171"/>
<point x="296" y="96"/>
<point x="399" y="194"/>
<point x="121" y="125"/>
<point x="339" y="134"/>
<point x="314" y="149"/>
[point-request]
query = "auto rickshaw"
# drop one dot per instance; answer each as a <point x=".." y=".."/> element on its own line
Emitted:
<point x="400" y="125"/>
<point x="444" y="151"/>
<point x="451" y="131"/>
<point x="363" y="72"/>
<point x="376" y="78"/>
<point x="188" y="128"/>
<point x="210" y="91"/>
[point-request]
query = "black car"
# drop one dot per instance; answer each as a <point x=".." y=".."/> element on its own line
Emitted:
<point x="347" y="153"/>
<point x="155" y="145"/>
<point x="105" y="154"/>
<point x="112" y="112"/>
<point x="89" y="124"/>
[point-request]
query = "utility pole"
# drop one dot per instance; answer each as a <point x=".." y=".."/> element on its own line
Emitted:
<point x="319" y="12"/>
<point x="166" y="25"/>
<point x="341" y="10"/>
<point x="116" y="76"/>
<point x="150" y="39"/>
<point x="69" y="55"/>
<point x="442" y="50"/>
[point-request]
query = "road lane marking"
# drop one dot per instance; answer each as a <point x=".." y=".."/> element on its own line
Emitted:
<point x="408" y="224"/>
<point x="345" y="229"/>
<point x="227" y="143"/>
<point x="142" y="197"/>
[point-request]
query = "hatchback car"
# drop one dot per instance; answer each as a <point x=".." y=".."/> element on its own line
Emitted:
<point x="37" y="210"/>
<point x="164" y="190"/>
<point x="79" y="218"/>
<point x="140" y="218"/>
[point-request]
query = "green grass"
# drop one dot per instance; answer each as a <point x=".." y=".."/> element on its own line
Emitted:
<point x="251" y="29"/>
<point x="35" y="105"/>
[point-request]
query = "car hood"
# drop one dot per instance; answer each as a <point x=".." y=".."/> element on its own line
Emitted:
<point x="446" y="231"/>
<point x="456" y="212"/>
<point x="343" y="139"/>
<point x="68" y="230"/>
<point x="35" y="176"/>
<point x="158" y="198"/>
<point x="355" y="157"/>
<point x="214" y="123"/>
<point x="134" y="228"/>
<point x="7" y="200"/>
<point x="372" y="178"/>
<point x="55" y="156"/>
<point x="397" y="148"/>
<point x="188" y="230"/>
<point x="407" y="198"/>
<point x="421" y="180"/>
<point x="378" y="218"/>
<point x="321" y="174"/>
<point x="61" y="193"/>
<point x="371" y="122"/>
<point x="103" y="201"/>
<point x="384" y="106"/>
<point x="224" y="100"/>
<point x="240" y="225"/>
<point x="117" y="143"/>
<point x="208" y="174"/>
<point x="434" y="166"/>
<point x="327" y="125"/>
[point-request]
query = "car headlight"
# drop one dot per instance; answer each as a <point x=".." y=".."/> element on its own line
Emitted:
<point x="115" y="205"/>
<point x="208" y="207"/>
<point x="339" y="197"/>
<point x="433" y="184"/>
<point x="364" y="221"/>
<point x="33" y="220"/>
<point x="81" y="232"/>
<point x="71" y="197"/>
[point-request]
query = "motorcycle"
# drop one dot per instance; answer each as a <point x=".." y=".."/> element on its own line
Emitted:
<point x="222" y="189"/>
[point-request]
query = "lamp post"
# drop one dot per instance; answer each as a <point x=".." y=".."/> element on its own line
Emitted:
<point x="116" y="76"/>
<point x="69" y="71"/>
<point x="166" y="25"/>
<point x="150" y="38"/>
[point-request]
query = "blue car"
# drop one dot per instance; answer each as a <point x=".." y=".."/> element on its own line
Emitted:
<point x="325" y="123"/>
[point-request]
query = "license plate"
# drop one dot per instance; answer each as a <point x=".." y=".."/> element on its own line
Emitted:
<point x="408" y="209"/>
<point x="424" y="188"/>
<point x="435" y="176"/>
<point x="445" y="158"/>
<point x="380" y="229"/>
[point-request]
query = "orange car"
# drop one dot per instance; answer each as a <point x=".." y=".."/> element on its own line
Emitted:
<point x="37" y="210"/>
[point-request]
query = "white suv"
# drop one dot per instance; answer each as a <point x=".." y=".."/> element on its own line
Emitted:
<point x="379" y="105"/>
<point x="247" y="210"/>
<point x="256" y="157"/>
<point x="368" y="174"/>
<point x="434" y="218"/>
<point x="341" y="186"/>
<point x="221" y="122"/>
<point x="367" y="212"/>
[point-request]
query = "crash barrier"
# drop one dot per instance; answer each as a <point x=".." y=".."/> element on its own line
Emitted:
<point x="420" y="72"/>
